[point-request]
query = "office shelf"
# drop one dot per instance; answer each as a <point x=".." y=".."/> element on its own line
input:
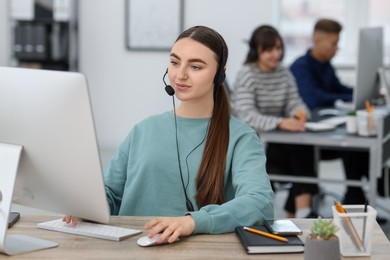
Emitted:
<point x="44" y="34"/>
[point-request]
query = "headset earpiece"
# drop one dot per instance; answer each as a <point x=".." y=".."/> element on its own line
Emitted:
<point x="221" y="74"/>
<point x="253" y="54"/>
<point x="220" y="77"/>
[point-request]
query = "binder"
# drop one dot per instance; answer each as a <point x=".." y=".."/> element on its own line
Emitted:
<point x="18" y="41"/>
<point x="40" y="42"/>
<point x="28" y="42"/>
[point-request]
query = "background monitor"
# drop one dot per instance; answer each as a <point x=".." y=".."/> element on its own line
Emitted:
<point x="49" y="114"/>
<point x="370" y="59"/>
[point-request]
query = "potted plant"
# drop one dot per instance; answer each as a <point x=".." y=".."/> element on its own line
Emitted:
<point x="351" y="123"/>
<point x="351" y="113"/>
<point x="322" y="243"/>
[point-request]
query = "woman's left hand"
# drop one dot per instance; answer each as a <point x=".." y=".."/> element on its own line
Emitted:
<point x="170" y="228"/>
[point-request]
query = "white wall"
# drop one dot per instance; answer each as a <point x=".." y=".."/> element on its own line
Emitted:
<point x="126" y="86"/>
<point x="4" y="35"/>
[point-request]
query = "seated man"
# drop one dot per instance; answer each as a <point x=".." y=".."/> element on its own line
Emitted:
<point x="317" y="82"/>
<point x="319" y="87"/>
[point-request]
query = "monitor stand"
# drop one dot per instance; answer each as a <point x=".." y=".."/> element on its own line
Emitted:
<point x="13" y="244"/>
<point x="384" y="86"/>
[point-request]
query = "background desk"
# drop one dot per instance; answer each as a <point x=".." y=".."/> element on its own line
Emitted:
<point x="337" y="139"/>
<point x="226" y="246"/>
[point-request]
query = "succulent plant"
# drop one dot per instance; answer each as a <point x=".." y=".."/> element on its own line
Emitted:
<point x="323" y="229"/>
<point x="351" y="113"/>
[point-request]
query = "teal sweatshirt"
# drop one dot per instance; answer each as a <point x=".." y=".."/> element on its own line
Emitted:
<point x="143" y="177"/>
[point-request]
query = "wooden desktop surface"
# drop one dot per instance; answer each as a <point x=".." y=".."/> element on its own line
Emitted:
<point x="226" y="246"/>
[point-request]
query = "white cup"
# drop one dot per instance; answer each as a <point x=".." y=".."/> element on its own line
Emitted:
<point x="351" y="124"/>
<point x="367" y="123"/>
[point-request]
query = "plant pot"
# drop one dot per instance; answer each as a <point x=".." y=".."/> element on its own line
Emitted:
<point x="318" y="249"/>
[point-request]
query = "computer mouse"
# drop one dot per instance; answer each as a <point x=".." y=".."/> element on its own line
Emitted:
<point x="146" y="241"/>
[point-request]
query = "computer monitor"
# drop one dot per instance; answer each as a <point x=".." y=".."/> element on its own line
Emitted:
<point x="49" y="114"/>
<point x="370" y="60"/>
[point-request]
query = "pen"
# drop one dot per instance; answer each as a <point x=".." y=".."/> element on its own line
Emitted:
<point x="370" y="112"/>
<point x="259" y="232"/>
<point x="352" y="231"/>
<point x="364" y="222"/>
<point x="369" y="108"/>
<point x="300" y="115"/>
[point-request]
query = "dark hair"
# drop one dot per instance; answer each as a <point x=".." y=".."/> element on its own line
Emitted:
<point x="264" y="38"/>
<point x="210" y="179"/>
<point x="327" y="26"/>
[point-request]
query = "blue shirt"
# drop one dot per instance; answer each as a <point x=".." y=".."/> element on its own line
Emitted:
<point x="143" y="179"/>
<point x="317" y="82"/>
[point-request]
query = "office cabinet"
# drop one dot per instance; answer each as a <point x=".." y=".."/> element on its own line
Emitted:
<point x="44" y="34"/>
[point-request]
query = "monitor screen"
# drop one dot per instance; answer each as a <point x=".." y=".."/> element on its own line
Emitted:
<point x="49" y="114"/>
<point x="370" y="59"/>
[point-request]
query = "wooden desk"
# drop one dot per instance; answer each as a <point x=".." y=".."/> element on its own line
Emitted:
<point x="226" y="246"/>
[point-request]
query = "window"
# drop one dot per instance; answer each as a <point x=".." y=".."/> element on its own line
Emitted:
<point x="379" y="15"/>
<point x="297" y="19"/>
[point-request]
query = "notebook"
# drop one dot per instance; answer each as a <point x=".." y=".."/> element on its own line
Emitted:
<point x="258" y="244"/>
<point x="317" y="126"/>
<point x="327" y="124"/>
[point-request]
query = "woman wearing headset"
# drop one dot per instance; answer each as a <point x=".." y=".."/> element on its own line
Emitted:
<point x="265" y="96"/>
<point x="197" y="167"/>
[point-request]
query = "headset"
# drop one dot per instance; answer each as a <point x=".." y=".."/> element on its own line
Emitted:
<point x="218" y="80"/>
<point x="221" y="74"/>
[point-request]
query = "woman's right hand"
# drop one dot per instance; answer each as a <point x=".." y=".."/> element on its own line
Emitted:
<point x="70" y="220"/>
<point x="292" y="124"/>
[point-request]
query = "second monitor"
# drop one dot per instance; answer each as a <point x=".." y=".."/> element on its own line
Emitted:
<point x="370" y="60"/>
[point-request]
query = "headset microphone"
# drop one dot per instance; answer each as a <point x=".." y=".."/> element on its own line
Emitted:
<point x="168" y="88"/>
<point x="170" y="91"/>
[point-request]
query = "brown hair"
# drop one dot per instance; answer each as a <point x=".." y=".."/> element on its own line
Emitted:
<point x="264" y="38"/>
<point x="210" y="179"/>
<point x="327" y="26"/>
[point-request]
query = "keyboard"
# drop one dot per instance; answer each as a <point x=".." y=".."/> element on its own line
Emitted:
<point x="328" y="112"/>
<point x="334" y="120"/>
<point x="344" y="105"/>
<point x="90" y="230"/>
